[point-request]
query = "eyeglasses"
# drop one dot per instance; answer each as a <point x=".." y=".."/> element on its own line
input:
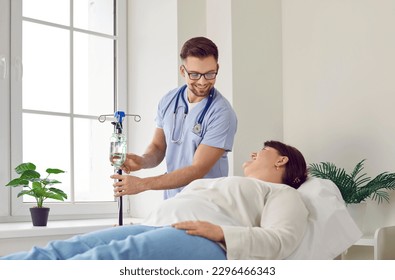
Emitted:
<point x="197" y="76"/>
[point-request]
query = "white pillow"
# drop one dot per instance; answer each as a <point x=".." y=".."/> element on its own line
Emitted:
<point x="331" y="229"/>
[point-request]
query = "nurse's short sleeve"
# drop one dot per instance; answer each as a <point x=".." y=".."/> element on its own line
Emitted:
<point x="221" y="127"/>
<point x="164" y="105"/>
<point x="159" y="116"/>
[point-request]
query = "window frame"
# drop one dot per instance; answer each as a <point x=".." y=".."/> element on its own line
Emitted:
<point x="60" y="210"/>
<point x="5" y="156"/>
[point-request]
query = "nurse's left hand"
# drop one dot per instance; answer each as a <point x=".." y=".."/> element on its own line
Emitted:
<point x="127" y="185"/>
<point x="203" y="229"/>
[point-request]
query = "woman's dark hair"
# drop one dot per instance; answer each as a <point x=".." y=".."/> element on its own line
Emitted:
<point x="296" y="168"/>
<point x="200" y="47"/>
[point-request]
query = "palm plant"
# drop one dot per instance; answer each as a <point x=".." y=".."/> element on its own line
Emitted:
<point x="355" y="187"/>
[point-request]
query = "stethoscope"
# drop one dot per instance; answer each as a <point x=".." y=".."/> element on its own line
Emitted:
<point x="197" y="128"/>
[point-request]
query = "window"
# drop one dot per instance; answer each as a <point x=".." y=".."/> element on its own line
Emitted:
<point x="4" y="105"/>
<point x="68" y="68"/>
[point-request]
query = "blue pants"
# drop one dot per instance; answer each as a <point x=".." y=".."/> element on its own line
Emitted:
<point x="131" y="242"/>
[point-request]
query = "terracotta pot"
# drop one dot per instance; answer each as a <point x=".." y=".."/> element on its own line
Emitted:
<point x="39" y="216"/>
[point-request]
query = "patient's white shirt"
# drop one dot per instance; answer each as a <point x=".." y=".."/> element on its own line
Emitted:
<point x="260" y="220"/>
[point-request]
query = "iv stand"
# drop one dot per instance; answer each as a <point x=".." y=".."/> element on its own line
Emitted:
<point x="118" y="130"/>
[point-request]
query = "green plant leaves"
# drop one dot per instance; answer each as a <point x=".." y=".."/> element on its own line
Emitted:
<point x="54" y="171"/>
<point x="355" y="187"/>
<point x="57" y="194"/>
<point x="36" y="186"/>
<point x="25" y="192"/>
<point x="30" y="175"/>
<point x="47" y="181"/>
<point x="24" y="166"/>
<point x="18" y="182"/>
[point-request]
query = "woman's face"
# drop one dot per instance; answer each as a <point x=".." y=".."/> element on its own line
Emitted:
<point x="265" y="159"/>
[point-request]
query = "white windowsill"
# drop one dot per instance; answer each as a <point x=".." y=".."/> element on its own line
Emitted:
<point x="65" y="227"/>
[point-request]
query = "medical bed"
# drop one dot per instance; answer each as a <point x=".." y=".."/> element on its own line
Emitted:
<point x="331" y="230"/>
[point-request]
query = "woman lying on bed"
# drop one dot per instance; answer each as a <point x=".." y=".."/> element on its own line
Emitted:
<point x="259" y="216"/>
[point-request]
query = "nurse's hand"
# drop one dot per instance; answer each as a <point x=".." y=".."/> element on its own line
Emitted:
<point x="127" y="185"/>
<point x="203" y="229"/>
<point x="132" y="162"/>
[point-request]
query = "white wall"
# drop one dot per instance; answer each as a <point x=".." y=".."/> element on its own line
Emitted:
<point x="219" y="29"/>
<point x="152" y="52"/>
<point x="191" y="22"/>
<point x="339" y="90"/>
<point x="257" y="67"/>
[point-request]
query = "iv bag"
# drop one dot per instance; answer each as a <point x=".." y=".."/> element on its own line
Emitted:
<point x="117" y="149"/>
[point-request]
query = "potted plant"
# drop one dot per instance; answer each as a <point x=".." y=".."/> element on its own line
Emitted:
<point x="355" y="187"/>
<point x="39" y="188"/>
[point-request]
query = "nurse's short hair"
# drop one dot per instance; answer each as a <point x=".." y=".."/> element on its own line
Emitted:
<point x="200" y="47"/>
<point x="296" y="168"/>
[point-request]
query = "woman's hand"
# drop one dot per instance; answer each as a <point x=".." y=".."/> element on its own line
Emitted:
<point x="203" y="229"/>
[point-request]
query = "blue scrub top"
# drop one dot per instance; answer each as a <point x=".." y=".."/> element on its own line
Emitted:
<point x="218" y="130"/>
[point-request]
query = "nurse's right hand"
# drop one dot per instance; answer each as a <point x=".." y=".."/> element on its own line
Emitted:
<point x="132" y="162"/>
